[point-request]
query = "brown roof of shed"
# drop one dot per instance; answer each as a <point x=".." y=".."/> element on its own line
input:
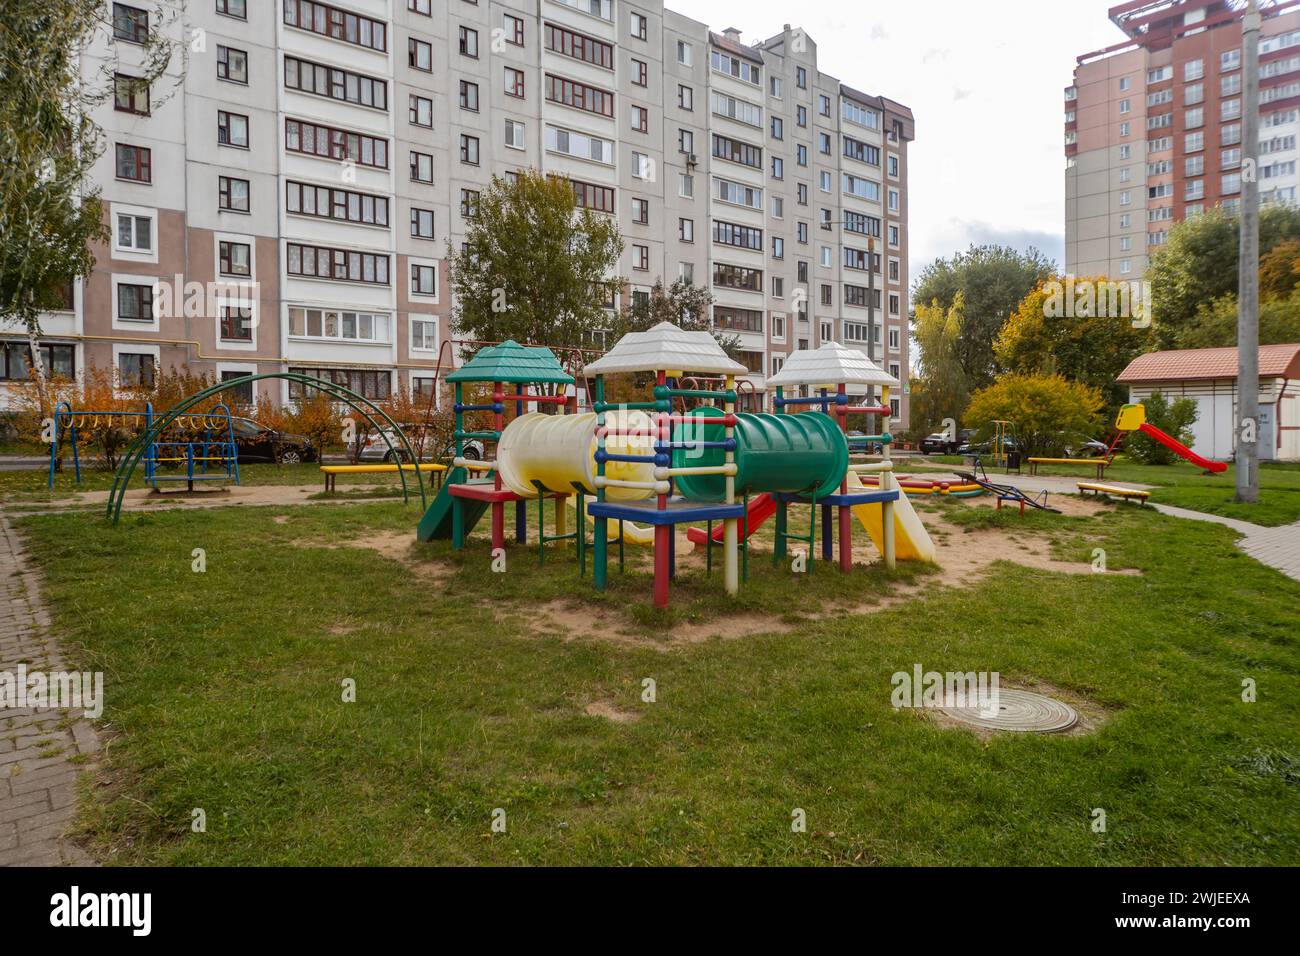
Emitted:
<point x="1275" y="361"/>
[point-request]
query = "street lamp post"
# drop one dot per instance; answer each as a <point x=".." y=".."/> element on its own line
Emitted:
<point x="1248" y="270"/>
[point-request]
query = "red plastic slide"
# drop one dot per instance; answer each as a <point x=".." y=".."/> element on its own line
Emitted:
<point x="761" y="507"/>
<point x="1179" y="448"/>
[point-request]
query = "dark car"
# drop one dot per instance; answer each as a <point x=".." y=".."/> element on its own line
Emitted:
<point x="1088" y="449"/>
<point x="940" y="444"/>
<point x="257" y="443"/>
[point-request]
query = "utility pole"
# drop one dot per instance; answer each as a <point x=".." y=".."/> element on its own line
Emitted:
<point x="1248" y="269"/>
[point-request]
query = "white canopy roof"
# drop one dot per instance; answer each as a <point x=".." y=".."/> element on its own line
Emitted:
<point x="669" y="348"/>
<point x="830" y="365"/>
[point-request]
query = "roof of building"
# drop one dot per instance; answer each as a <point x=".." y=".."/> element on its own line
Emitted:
<point x="1275" y="361"/>
<point x="666" y="348"/>
<point x="831" y="364"/>
<point x="731" y="46"/>
<point x="514" y="363"/>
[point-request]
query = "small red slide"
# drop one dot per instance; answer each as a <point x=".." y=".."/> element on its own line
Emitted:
<point x="1179" y="448"/>
<point x="761" y="507"/>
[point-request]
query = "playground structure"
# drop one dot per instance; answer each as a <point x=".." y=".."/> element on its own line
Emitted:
<point x="638" y="469"/>
<point x="1134" y="418"/>
<point x="205" y="445"/>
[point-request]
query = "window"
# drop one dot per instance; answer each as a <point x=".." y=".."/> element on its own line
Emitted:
<point x="642" y="165"/>
<point x="823" y="104"/>
<point x="514" y="29"/>
<point x="640" y="258"/>
<point x="235" y="323"/>
<point x="134" y="303"/>
<point x="514" y="85"/>
<point x="469" y="96"/>
<point x="827" y="259"/>
<point x="1230" y="85"/>
<point x="862" y="152"/>
<point x="321" y="262"/>
<point x="134" y="233"/>
<point x="859" y="259"/>
<point x="421" y="111"/>
<point x="802" y="272"/>
<point x="775" y="86"/>
<point x="738" y="193"/>
<point x="637" y="26"/>
<point x="135" y="369"/>
<point x="591" y="196"/>
<point x="735" y="151"/>
<point x="778" y="207"/>
<point x="1160" y="74"/>
<point x="304" y="199"/>
<point x="424" y="334"/>
<point x="1160" y="97"/>
<point x="801" y="154"/>
<point x="778" y="247"/>
<point x="640" y="73"/>
<point x="1125" y="220"/>
<point x="778" y="292"/>
<point x="331" y="143"/>
<point x="233" y="8"/>
<point x="740" y="320"/>
<point x="232" y="64"/>
<point x="130" y="95"/>
<point x="1124" y="83"/>
<point x="134" y="163"/>
<point x="1124" y="129"/>
<point x="824" y="181"/>
<point x="1193" y="94"/>
<point x="421" y="167"/>
<point x="340" y="24"/>
<point x="741" y="111"/>
<point x="1125" y="106"/>
<point x="827" y="295"/>
<point x="1193" y="70"/>
<point x="469" y="203"/>
<point x="232" y="129"/>
<point x="1230" y="135"/>
<point x="422" y="223"/>
<point x="515" y="134"/>
<point x="858" y="297"/>
<point x="232" y="194"/>
<point x="130" y="23"/>
<point x="730" y="234"/>
<point x="579" y="46"/>
<point x="686" y="98"/>
<point x="579" y="95"/>
<point x="641" y="212"/>
<point x="801" y="194"/>
<point x="419" y="55"/>
<point x="1231" y="183"/>
<point x="468" y="42"/>
<point x="737" y="277"/>
<point x="734" y="66"/>
<point x="579" y="145"/>
<point x="893" y="235"/>
<point x="1229" y="60"/>
<point x="862" y="188"/>
<point x="424" y="279"/>
<point x="369" y="384"/>
<point x="1193" y="142"/>
<point x="685" y="53"/>
<point x="685" y="141"/>
<point x="335" y="84"/>
<point x="801" y="77"/>
<point x="469" y="149"/>
<point x="1229" y="109"/>
<point x="778" y="128"/>
<point x="234" y="258"/>
<point x="1195" y="189"/>
<point x="861" y="115"/>
<point x="893" y="344"/>
<point x="640" y="119"/>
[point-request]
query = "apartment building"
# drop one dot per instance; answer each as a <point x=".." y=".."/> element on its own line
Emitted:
<point x="313" y="160"/>
<point x="1153" y="127"/>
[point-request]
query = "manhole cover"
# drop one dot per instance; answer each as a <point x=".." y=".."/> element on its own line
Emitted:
<point x="1020" y="711"/>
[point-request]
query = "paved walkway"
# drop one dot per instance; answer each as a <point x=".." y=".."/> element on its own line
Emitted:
<point x="37" y="779"/>
<point x="1277" y="547"/>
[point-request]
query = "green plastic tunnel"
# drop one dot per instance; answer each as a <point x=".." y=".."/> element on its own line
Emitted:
<point x="790" y="453"/>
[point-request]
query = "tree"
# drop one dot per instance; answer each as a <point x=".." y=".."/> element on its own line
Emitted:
<point x="1088" y="348"/>
<point x="534" y="267"/>
<point x="682" y="303"/>
<point x="49" y="212"/>
<point x="1048" y="411"/>
<point x="1199" y="264"/>
<point x="1279" y="271"/>
<point x="1215" y="325"/>
<point x="942" y="388"/>
<point x="992" y="281"/>
<point x="1173" y="418"/>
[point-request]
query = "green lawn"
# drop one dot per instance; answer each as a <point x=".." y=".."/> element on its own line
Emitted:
<point x="1182" y="485"/>
<point x="223" y="693"/>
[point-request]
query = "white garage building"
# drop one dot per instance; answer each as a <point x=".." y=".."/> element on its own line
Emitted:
<point x="1209" y="378"/>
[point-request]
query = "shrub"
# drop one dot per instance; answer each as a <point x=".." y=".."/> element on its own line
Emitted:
<point x="1173" y="418"/>
<point x="1047" y="410"/>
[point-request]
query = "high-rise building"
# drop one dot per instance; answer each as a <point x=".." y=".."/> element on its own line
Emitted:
<point x="325" y="154"/>
<point x="1153" y="127"/>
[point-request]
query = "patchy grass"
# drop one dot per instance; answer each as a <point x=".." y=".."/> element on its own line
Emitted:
<point x="224" y="691"/>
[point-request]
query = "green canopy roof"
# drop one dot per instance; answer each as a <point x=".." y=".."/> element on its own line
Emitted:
<point x="514" y="363"/>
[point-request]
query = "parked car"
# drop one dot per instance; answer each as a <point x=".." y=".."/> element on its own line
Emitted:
<point x="940" y="444"/>
<point x="1091" y="448"/>
<point x="858" y="443"/>
<point x="257" y="443"/>
<point x="374" y="448"/>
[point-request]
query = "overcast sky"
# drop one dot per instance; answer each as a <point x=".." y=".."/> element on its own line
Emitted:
<point x="985" y="81"/>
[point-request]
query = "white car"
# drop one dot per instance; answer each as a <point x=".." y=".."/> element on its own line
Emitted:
<point x="374" y="448"/>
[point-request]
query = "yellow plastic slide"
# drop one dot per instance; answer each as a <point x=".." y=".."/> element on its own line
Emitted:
<point x="632" y="533"/>
<point x="911" y="540"/>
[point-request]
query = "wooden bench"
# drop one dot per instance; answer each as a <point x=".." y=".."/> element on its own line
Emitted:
<point x="1101" y="464"/>
<point x="1115" y="490"/>
<point x="332" y="472"/>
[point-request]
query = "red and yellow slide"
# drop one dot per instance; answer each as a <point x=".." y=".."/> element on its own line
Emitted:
<point x="1133" y="418"/>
